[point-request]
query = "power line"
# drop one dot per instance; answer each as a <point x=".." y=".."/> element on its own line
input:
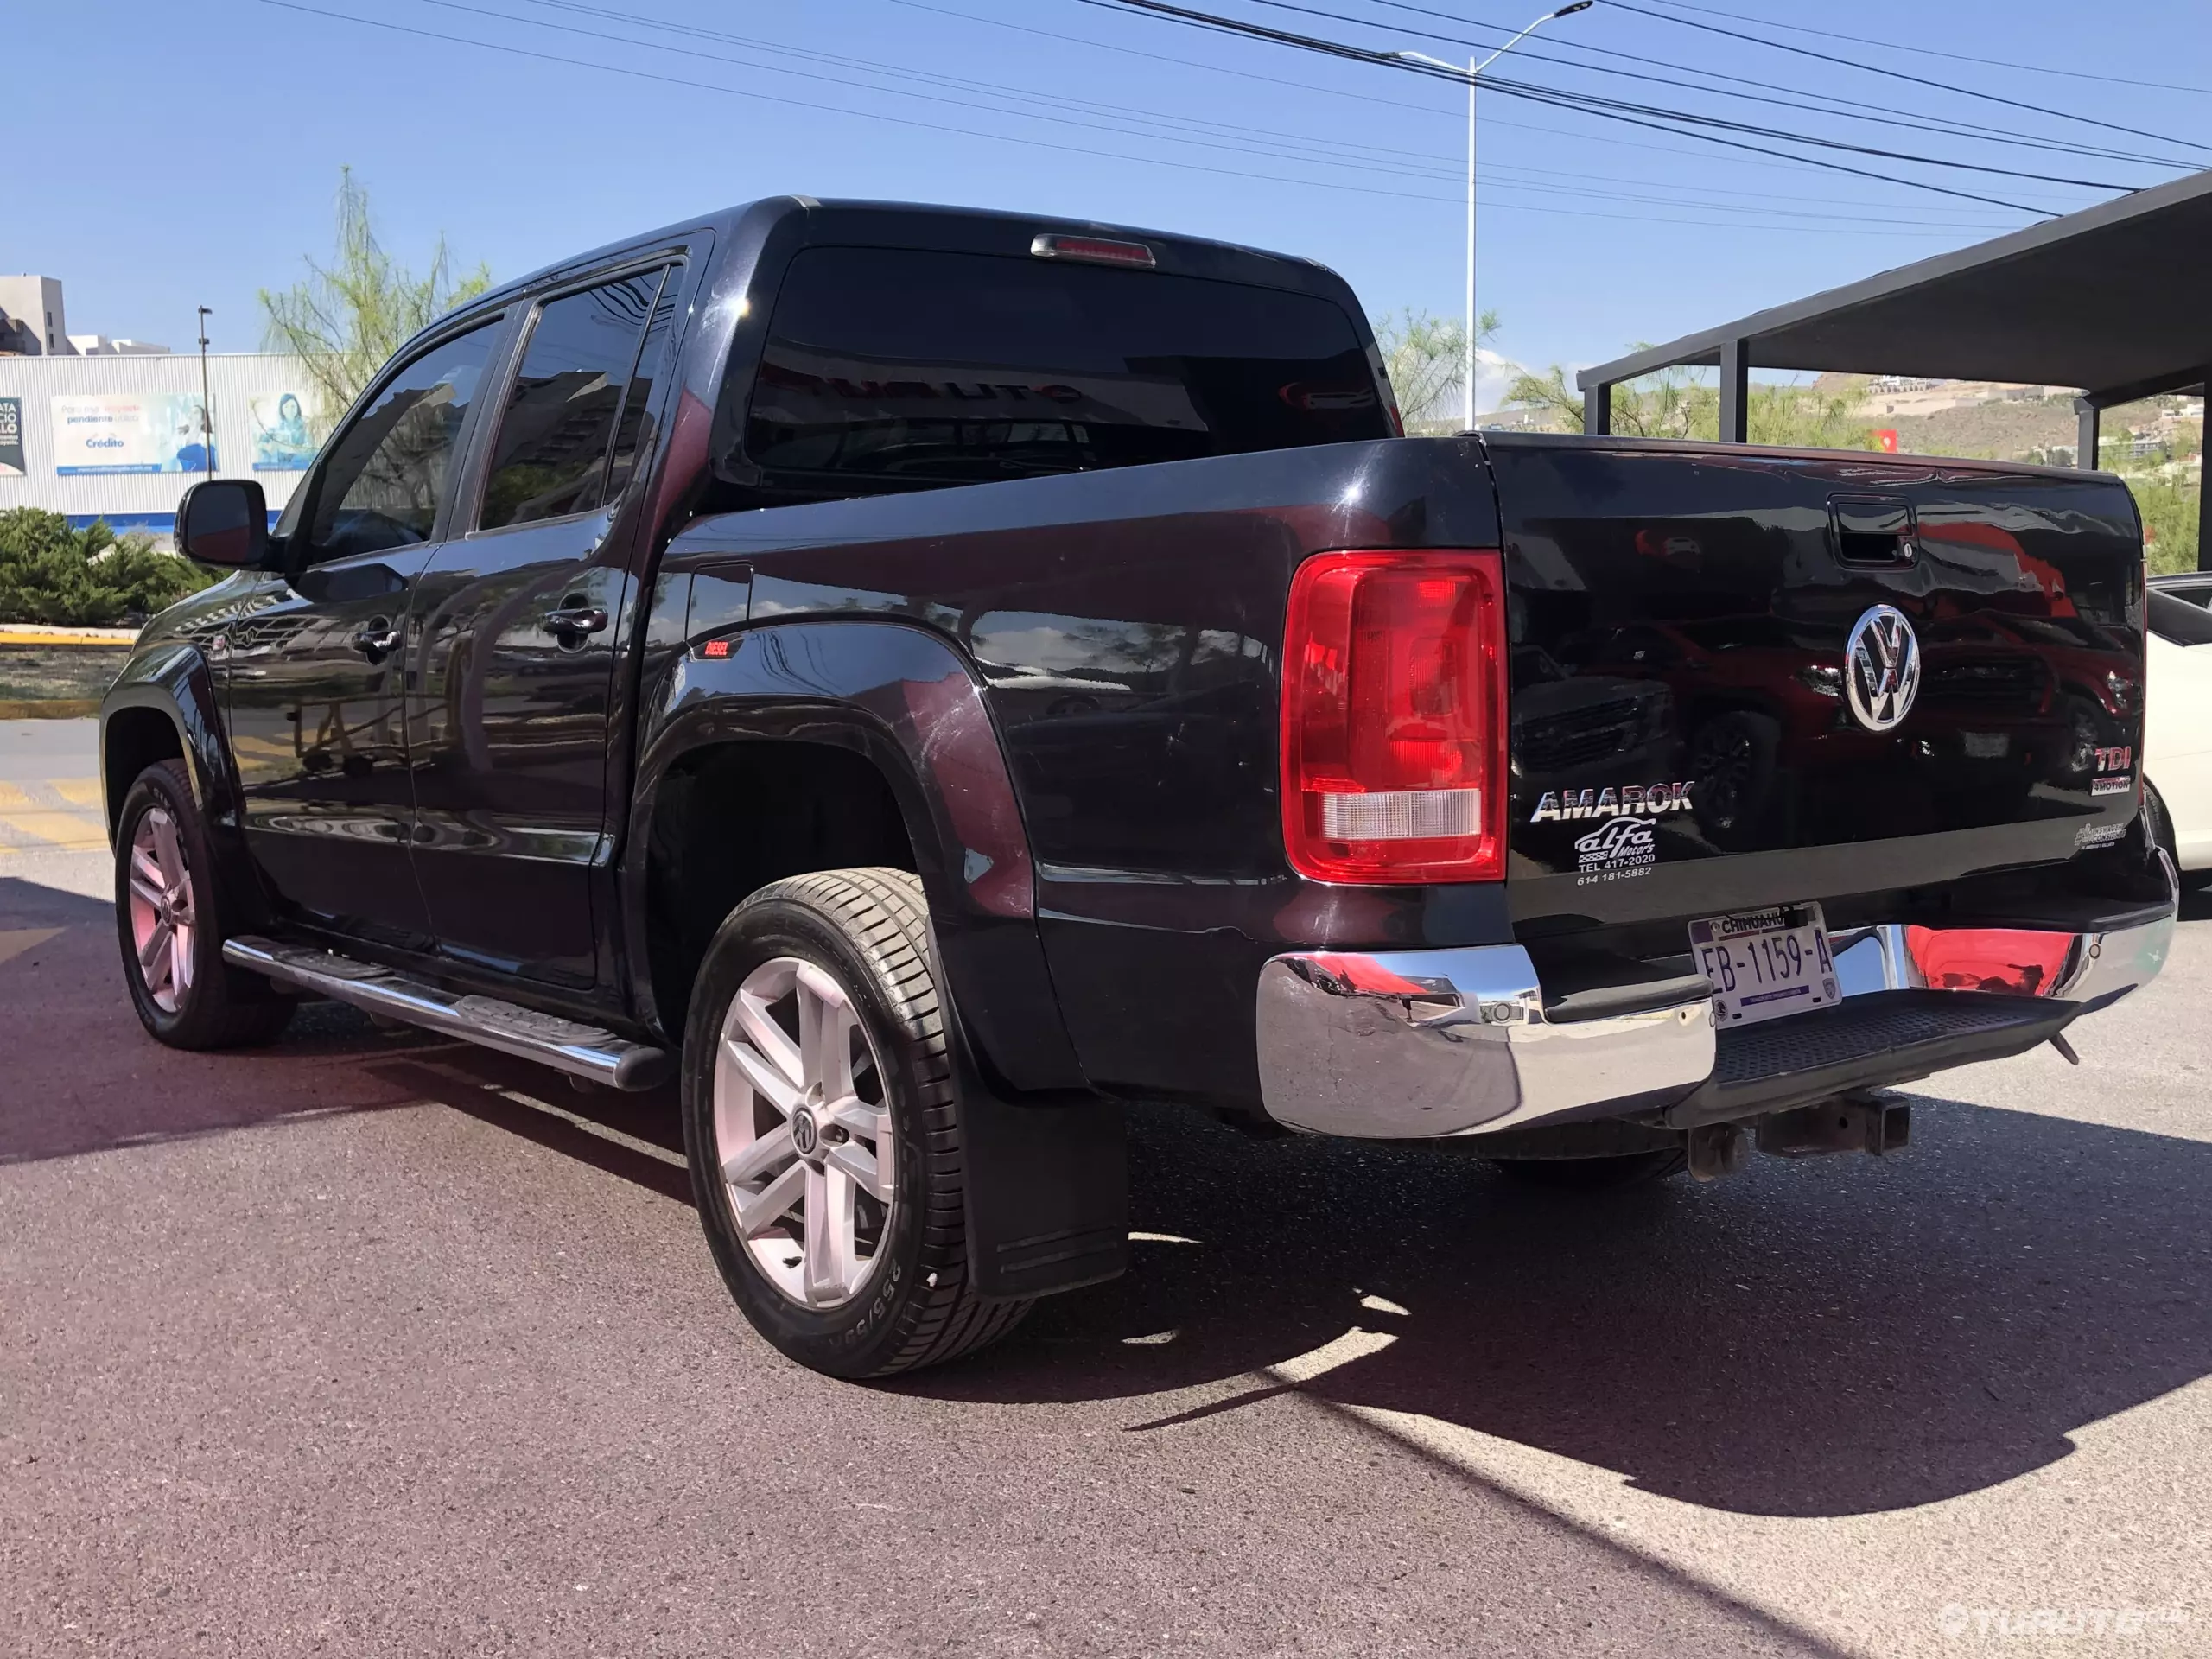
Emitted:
<point x="1955" y="57"/>
<point x="1778" y="161"/>
<point x="1851" y="109"/>
<point x="1876" y="69"/>
<point x="1397" y="156"/>
<point x="1396" y="163"/>
<point x="1613" y="108"/>
<point x="932" y="126"/>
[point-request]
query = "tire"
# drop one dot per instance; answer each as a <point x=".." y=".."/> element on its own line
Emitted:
<point x="167" y="895"/>
<point x="888" y="1289"/>
<point x="1607" y="1175"/>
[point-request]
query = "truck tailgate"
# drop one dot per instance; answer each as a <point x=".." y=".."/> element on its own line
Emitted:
<point x="1693" y="731"/>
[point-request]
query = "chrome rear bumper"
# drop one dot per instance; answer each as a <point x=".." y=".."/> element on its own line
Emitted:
<point x="1412" y="1044"/>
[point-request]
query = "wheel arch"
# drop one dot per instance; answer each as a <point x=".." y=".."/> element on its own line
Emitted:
<point x="854" y="719"/>
<point x="164" y="705"/>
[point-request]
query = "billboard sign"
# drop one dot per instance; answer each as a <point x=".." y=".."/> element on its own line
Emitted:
<point x="283" y="438"/>
<point x="130" y="432"/>
<point x="11" y="438"/>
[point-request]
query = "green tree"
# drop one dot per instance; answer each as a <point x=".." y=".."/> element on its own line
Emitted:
<point x="84" y="578"/>
<point x="2169" y="507"/>
<point x="1677" y="403"/>
<point x="1426" y="356"/>
<point x="347" y="319"/>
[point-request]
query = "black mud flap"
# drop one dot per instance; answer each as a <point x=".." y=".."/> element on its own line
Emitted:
<point x="1047" y="1183"/>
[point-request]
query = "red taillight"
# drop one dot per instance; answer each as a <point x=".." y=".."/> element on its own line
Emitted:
<point x="1394" y="718"/>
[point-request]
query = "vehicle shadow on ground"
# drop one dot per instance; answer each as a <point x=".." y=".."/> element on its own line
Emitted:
<point x="79" y="1075"/>
<point x="1828" y="1337"/>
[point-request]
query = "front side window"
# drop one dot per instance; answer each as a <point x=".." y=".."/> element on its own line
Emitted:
<point x="386" y="474"/>
<point x="906" y="367"/>
<point x="555" y="434"/>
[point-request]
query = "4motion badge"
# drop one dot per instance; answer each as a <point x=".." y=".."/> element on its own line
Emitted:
<point x="2115" y="770"/>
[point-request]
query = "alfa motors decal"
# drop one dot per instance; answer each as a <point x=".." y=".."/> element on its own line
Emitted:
<point x="1628" y="801"/>
<point x="1618" y="851"/>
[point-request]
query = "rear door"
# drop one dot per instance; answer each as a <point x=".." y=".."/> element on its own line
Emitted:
<point x="509" y="727"/>
<point x="1684" y="621"/>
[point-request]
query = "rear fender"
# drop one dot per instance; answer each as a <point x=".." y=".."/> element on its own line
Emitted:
<point x="1047" y="1193"/>
<point x="904" y="699"/>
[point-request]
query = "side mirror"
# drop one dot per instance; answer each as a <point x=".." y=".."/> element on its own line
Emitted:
<point x="225" y="522"/>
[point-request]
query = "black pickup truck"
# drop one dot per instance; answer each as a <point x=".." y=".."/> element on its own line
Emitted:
<point x="924" y="678"/>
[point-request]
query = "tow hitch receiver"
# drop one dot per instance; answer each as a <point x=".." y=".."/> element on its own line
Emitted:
<point x="1714" y="1150"/>
<point x="1853" y="1122"/>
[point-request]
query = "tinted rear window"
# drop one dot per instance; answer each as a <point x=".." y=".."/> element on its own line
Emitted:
<point x="917" y="368"/>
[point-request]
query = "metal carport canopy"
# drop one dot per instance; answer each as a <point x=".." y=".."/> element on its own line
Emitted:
<point x="2116" y="299"/>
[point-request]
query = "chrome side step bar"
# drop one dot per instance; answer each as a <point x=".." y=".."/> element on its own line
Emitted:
<point x="580" y="1049"/>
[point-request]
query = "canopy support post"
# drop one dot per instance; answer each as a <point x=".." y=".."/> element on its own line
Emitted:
<point x="1735" y="391"/>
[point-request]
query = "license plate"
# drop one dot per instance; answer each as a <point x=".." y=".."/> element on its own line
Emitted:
<point x="1986" y="746"/>
<point x="1765" y="963"/>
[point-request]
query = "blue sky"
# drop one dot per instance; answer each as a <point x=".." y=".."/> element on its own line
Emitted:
<point x="1594" y="235"/>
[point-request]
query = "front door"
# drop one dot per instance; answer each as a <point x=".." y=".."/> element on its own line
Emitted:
<point x="316" y="687"/>
<point x="509" y="720"/>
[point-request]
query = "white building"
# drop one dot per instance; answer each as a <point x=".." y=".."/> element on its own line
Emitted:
<point x="32" y="321"/>
<point x="101" y="346"/>
<point x="118" y="437"/>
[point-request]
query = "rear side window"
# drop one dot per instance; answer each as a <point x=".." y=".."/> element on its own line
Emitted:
<point x="924" y="368"/>
<point x="558" y="428"/>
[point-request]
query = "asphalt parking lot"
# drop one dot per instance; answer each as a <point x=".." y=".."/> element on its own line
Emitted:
<point x="371" y="1344"/>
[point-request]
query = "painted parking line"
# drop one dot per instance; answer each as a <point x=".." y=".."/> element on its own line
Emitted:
<point x="61" y="815"/>
<point x="14" y="940"/>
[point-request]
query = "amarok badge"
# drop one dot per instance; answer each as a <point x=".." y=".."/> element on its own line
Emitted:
<point x="1628" y="801"/>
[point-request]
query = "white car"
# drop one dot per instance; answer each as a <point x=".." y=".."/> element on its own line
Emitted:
<point x="2178" y="739"/>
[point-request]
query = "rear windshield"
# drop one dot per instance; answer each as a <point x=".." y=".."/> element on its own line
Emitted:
<point x="922" y="368"/>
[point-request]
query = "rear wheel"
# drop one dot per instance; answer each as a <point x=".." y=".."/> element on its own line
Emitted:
<point x="823" y="1134"/>
<point x="168" y="918"/>
<point x="1606" y="1174"/>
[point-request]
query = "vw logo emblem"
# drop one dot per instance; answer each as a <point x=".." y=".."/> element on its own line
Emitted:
<point x="1881" y="668"/>
<point x="805" y="1135"/>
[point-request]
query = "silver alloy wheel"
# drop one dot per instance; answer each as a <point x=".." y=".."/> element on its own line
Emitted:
<point x="803" y="1133"/>
<point x="163" y="916"/>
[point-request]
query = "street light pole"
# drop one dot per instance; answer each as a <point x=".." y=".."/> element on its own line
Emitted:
<point x="207" y="419"/>
<point x="1473" y="70"/>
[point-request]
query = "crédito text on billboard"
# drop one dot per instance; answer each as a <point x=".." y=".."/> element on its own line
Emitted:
<point x="12" y="464"/>
<point x="130" y="432"/>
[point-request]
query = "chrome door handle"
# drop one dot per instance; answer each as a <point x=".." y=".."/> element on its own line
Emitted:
<point x="573" y="621"/>
<point x="377" y="640"/>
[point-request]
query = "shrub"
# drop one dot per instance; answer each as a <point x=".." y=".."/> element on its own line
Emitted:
<point x="84" y="578"/>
